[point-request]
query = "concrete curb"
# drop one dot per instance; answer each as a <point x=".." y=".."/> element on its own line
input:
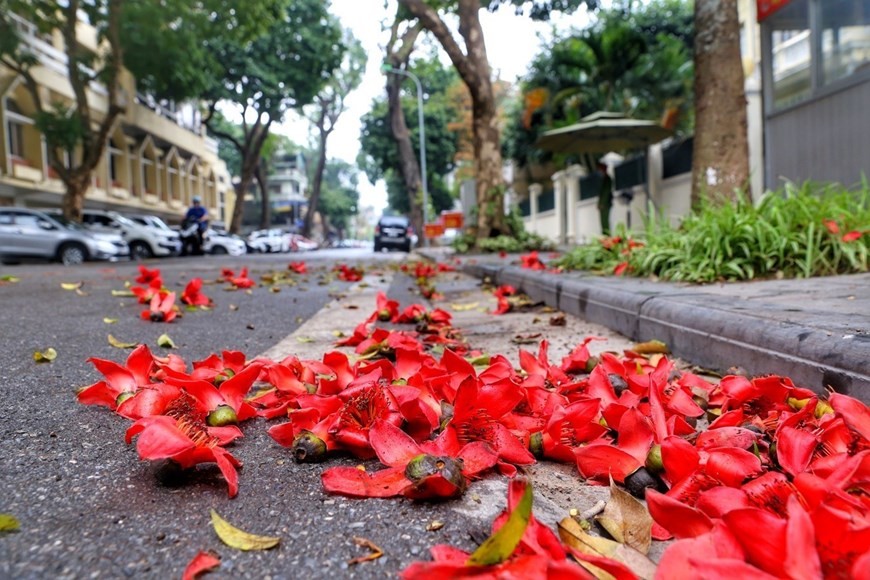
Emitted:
<point x="807" y="339"/>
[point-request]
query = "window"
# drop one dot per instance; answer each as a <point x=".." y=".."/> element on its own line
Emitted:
<point x="5" y="219"/>
<point x="845" y="39"/>
<point x="16" y="139"/>
<point x="27" y="220"/>
<point x="792" y="50"/>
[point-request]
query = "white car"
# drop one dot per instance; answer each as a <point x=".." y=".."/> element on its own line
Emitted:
<point x="272" y="240"/>
<point x="299" y="243"/>
<point x="145" y="240"/>
<point x="216" y="241"/>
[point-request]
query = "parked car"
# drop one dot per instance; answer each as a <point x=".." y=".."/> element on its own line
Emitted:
<point x="394" y="232"/>
<point x="272" y="240"/>
<point x="115" y="238"/>
<point x="145" y="240"/>
<point x="219" y="241"/>
<point x="299" y="243"/>
<point x="27" y="233"/>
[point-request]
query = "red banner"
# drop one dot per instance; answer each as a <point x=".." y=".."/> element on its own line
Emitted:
<point x="768" y="7"/>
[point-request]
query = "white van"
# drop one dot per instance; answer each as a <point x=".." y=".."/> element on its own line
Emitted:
<point x="145" y="241"/>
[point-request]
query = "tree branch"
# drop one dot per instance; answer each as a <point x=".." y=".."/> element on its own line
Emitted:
<point x="430" y="20"/>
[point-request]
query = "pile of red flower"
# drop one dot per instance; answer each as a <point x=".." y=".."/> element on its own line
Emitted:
<point x="776" y="486"/>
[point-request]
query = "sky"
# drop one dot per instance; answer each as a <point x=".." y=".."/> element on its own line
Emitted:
<point x="512" y="41"/>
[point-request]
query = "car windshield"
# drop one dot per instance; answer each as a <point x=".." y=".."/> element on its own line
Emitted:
<point x="123" y="220"/>
<point x="394" y="221"/>
<point x="67" y="223"/>
<point x="158" y="223"/>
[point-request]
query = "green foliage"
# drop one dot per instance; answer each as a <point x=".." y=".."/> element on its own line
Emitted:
<point x="520" y="241"/>
<point x="637" y="62"/>
<point x="797" y="232"/>
<point x="379" y="157"/>
<point x="61" y="127"/>
<point x="339" y="197"/>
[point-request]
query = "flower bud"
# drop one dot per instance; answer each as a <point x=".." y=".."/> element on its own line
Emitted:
<point x="618" y="383"/>
<point x="654" y="459"/>
<point x="384" y="315"/>
<point x="123" y="397"/>
<point x="536" y="444"/>
<point x="591" y="363"/>
<point x="222" y="416"/>
<point x="309" y="448"/>
<point x="157" y="317"/>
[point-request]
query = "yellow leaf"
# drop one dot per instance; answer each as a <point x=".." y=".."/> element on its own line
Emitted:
<point x="627" y="520"/>
<point x="165" y="342"/>
<point x="119" y="344"/>
<point x="304" y="339"/>
<point x="9" y="523"/>
<point x="71" y="285"/>
<point x="338" y="334"/>
<point x="45" y="356"/>
<point x="499" y="546"/>
<point x="108" y="320"/>
<point x="464" y="307"/>
<point x="81" y="292"/>
<point x="236" y="538"/>
<point x="125" y="293"/>
<point x="573" y="535"/>
<point x="651" y="347"/>
<point x="13" y="279"/>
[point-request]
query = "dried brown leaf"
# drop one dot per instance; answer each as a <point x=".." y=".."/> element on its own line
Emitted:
<point x="573" y="535"/>
<point x="627" y="520"/>
<point x="376" y="551"/>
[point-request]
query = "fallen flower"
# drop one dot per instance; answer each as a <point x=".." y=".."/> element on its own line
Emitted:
<point x="298" y="267"/>
<point x="201" y="563"/>
<point x="162" y="308"/>
<point x="193" y="295"/>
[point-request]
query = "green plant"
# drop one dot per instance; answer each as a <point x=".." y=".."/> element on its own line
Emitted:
<point x="795" y="232"/>
<point x="520" y="241"/>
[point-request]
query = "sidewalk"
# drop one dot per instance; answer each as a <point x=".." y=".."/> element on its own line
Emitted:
<point x="816" y="331"/>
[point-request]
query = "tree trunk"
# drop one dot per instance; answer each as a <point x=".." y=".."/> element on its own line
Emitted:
<point x="73" y="202"/>
<point x="408" y="164"/>
<point x="315" y="187"/>
<point x="473" y="67"/>
<point x="720" y="158"/>
<point x="242" y="187"/>
<point x="250" y="152"/>
<point x="265" y="201"/>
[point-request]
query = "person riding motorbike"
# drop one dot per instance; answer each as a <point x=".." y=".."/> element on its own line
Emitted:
<point x="193" y="228"/>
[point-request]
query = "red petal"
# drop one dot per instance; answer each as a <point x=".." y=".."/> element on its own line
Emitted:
<point x="353" y="482"/>
<point x="726" y="437"/>
<point x="680" y="459"/>
<point x="726" y="569"/>
<point x="509" y="447"/>
<point x="854" y="412"/>
<point x="392" y="445"/>
<point x="236" y="388"/>
<point x="676" y="517"/>
<point x="762" y="536"/>
<point x="159" y="438"/>
<point x="227" y="464"/>
<point x="732" y="466"/>
<point x="635" y="435"/>
<point x="120" y="378"/>
<point x="801" y="557"/>
<point x="98" y="394"/>
<point x="140" y="363"/>
<point x="794" y="449"/>
<point x="599" y="462"/>
<point x="718" y="501"/>
<point x="202" y="562"/>
<point x="718" y="544"/>
<point x="477" y="457"/>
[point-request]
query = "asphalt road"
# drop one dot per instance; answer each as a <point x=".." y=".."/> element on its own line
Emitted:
<point x="89" y="508"/>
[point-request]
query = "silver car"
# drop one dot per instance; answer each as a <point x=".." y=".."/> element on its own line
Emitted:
<point x="27" y="234"/>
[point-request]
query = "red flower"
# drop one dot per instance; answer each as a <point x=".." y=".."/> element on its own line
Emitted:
<point x="532" y="262"/>
<point x="349" y="273"/>
<point x="620" y="268"/>
<point x="832" y="226"/>
<point x="852" y="236"/>
<point x="183" y="436"/>
<point x="477" y="414"/>
<point x="298" y="267"/>
<point x="436" y="469"/>
<point x="503" y="306"/>
<point x="162" y="308"/>
<point x="202" y="562"/>
<point x="192" y="295"/>
<point x="242" y="281"/>
<point x="227" y="274"/>
<point x="146" y="294"/>
<point x="121" y="382"/>
<point x="147" y="276"/>
<point x="578" y="360"/>
<point x="504" y="290"/>
<point x="386" y="310"/>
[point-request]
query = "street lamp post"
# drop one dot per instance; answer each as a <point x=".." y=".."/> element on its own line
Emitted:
<point x="386" y="68"/>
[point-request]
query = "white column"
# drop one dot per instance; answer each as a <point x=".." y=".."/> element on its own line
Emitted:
<point x="572" y="179"/>
<point x="559" y="195"/>
<point x="534" y="192"/>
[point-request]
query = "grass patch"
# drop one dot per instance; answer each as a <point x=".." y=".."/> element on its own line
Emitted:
<point x="795" y="232"/>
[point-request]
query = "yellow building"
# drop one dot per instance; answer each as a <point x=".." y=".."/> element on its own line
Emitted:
<point x="156" y="160"/>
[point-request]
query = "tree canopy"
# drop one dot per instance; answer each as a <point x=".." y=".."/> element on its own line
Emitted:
<point x="378" y="155"/>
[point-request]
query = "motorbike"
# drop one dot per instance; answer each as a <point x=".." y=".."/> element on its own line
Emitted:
<point x="191" y="238"/>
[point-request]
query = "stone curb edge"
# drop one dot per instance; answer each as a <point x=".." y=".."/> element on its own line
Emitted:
<point x="710" y="335"/>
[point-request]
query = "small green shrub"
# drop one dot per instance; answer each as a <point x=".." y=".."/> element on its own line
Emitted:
<point x="521" y="241"/>
<point x="796" y="232"/>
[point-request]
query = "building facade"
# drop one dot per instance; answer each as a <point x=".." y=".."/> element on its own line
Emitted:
<point x="157" y="159"/>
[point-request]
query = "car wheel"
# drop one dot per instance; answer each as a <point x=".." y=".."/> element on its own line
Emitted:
<point x="407" y="248"/>
<point x="377" y="249"/>
<point x="219" y="251"/>
<point x="140" y="251"/>
<point x="72" y="254"/>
